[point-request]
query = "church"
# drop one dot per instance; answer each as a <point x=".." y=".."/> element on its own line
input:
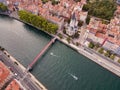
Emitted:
<point x="73" y="26"/>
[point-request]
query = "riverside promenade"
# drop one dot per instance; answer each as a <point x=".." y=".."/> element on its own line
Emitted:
<point x="38" y="84"/>
<point x="94" y="57"/>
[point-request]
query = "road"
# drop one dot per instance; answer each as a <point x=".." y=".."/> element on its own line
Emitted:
<point x="27" y="82"/>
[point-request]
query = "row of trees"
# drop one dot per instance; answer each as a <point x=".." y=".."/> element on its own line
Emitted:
<point x="3" y="8"/>
<point x="101" y="8"/>
<point x="101" y="50"/>
<point x="38" y="21"/>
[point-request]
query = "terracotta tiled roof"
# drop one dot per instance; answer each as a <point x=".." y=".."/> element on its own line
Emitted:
<point x="100" y="35"/>
<point x="13" y="86"/>
<point x="4" y="72"/>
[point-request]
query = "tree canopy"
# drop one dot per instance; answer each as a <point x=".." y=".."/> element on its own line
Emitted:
<point x="38" y="21"/>
<point x="3" y="8"/>
<point x="101" y="8"/>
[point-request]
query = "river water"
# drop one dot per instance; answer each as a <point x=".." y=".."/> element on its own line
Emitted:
<point x="60" y="68"/>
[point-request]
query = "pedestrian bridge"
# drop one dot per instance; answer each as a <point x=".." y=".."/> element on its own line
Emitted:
<point x="30" y="66"/>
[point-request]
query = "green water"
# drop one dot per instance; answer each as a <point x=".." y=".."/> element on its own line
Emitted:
<point x="58" y="64"/>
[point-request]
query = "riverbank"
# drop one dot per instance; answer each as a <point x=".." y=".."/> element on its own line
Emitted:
<point x="97" y="59"/>
<point x="94" y="57"/>
<point x="39" y="84"/>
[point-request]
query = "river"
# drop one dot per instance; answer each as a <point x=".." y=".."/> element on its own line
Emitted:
<point x="60" y="68"/>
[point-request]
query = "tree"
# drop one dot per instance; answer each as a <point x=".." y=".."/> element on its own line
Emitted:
<point x="101" y="8"/>
<point x="87" y="19"/>
<point x="86" y="7"/>
<point x="77" y="43"/>
<point x="91" y="45"/>
<point x="97" y="46"/>
<point x="2" y="49"/>
<point x="112" y="56"/>
<point x="38" y="21"/>
<point x="77" y="0"/>
<point x="44" y="1"/>
<point x="3" y="8"/>
<point x="108" y="53"/>
<point x="68" y="39"/>
<point x="64" y="31"/>
<point x="101" y="50"/>
<point x="76" y="35"/>
<point x="80" y="23"/>
<point x="54" y="2"/>
<point x="60" y="36"/>
<point x="118" y="60"/>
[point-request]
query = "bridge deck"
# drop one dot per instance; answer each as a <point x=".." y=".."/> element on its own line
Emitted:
<point x="40" y="54"/>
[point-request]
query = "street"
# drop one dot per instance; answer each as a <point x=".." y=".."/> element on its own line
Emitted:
<point x="27" y="82"/>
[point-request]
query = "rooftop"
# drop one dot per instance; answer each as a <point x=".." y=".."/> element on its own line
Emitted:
<point x="13" y="86"/>
<point x="4" y="72"/>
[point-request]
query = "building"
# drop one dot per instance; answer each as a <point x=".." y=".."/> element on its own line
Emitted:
<point x="3" y="1"/>
<point x="14" y="85"/>
<point x="118" y="2"/>
<point x="54" y="13"/>
<point x="73" y="26"/>
<point x="108" y="35"/>
<point x="5" y="75"/>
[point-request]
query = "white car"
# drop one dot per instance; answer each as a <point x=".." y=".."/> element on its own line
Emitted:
<point x="15" y="74"/>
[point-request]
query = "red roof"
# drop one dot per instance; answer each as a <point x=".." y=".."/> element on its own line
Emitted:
<point x="4" y="72"/>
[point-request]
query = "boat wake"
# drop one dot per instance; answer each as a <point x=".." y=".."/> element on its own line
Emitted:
<point x="75" y="77"/>
<point x="52" y="54"/>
